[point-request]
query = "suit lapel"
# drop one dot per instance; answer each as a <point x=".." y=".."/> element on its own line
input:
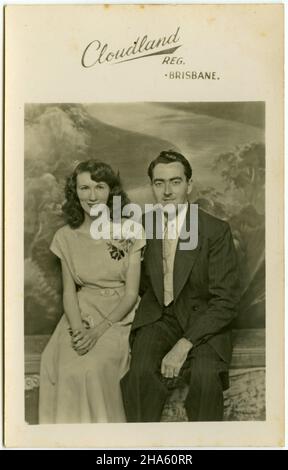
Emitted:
<point x="183" y="263"/>
<point x="185" y="259"/>
<point x="155" y="261"/>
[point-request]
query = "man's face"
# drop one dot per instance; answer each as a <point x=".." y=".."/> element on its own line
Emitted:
<point x="169" y="184"/>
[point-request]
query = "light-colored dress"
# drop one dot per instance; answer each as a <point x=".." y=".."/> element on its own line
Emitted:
<point x="86" y="389"/>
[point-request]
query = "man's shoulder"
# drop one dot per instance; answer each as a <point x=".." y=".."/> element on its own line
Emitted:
<point x="210" y="224"/>
<point x="210" y="219"/>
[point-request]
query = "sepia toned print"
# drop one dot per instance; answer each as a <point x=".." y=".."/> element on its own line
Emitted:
<point x="230" y="185"/>
<point x="86" y="303"/>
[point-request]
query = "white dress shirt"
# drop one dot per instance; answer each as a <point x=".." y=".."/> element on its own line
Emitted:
<point x="171" y="229"/>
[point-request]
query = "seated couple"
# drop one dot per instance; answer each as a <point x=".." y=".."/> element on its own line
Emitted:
<point x="115" y="357"/>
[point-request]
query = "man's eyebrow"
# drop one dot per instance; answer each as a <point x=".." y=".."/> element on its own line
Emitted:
<point x="170" y="179"/>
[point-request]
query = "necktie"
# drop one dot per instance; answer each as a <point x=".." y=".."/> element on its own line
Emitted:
<point x="167" y="264"/>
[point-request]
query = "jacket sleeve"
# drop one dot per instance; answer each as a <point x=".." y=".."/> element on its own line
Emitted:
<point x="223" y="289"/>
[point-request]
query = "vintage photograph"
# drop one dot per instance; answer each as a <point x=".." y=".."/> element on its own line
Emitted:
<point x="133" y="329"/>
<point x="144" y="202"/>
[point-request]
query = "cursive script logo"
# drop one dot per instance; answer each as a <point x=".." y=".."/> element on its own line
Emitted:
<point x="98" y="53"/>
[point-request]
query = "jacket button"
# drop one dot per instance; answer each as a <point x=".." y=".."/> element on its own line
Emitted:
<point x="195" y="308"/>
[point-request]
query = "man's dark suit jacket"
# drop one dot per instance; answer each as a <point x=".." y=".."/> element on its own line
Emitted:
<point x="206" y="289"/>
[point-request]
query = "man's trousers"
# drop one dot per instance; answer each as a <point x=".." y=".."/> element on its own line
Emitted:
<point x="144" y="389"/>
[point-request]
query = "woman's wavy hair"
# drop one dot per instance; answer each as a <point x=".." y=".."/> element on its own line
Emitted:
<point x="99" y="171"/>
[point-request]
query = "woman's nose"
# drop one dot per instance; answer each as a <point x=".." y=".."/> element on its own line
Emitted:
<point x="92" y="194"/>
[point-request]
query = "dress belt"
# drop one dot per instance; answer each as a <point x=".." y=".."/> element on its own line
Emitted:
<point x="104" y="291"/>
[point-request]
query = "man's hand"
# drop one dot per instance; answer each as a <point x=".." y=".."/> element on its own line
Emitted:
<point x="175" y="358"/>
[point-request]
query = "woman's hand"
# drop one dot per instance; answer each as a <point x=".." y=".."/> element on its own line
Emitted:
<point x="84" y="340"/>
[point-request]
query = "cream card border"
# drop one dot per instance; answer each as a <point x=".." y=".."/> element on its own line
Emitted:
<point x="43" y="44"/>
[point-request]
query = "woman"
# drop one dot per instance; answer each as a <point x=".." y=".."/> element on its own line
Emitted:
<point x="88" y="353"/>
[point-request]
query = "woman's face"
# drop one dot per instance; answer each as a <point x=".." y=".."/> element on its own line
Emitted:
<point x="91" y="193"/>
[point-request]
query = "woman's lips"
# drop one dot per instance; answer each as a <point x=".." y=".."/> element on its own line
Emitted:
<point x="91" y="204"/>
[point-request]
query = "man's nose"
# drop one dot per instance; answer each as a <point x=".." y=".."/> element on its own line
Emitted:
<point x="167" y="189"/>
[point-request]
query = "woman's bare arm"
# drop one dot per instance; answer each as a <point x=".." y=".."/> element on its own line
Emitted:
<point x="70" y="300"/>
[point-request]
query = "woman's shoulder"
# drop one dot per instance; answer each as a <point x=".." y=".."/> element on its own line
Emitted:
<point x="64" y="232"/>
<point x="63" y="242"/>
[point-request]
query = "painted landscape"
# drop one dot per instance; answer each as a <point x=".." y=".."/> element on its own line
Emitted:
<point x="224" y="142"/>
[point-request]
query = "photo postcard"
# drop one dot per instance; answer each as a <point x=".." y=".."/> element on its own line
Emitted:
<point x="116" y="334"/>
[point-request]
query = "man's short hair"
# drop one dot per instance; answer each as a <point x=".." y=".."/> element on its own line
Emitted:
<point x="170" y="156"/>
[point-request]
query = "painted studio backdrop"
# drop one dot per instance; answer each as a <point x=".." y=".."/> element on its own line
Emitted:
<point x="224" y="143"/>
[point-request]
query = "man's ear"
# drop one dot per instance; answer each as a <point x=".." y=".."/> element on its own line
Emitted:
<point x="190" y="186"/>
<point x="152" y="188"/>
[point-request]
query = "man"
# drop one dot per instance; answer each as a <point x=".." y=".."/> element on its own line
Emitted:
<point x="182" y="328"/>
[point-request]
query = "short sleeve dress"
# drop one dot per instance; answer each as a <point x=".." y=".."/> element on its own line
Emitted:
<point x="86" y="389"/>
